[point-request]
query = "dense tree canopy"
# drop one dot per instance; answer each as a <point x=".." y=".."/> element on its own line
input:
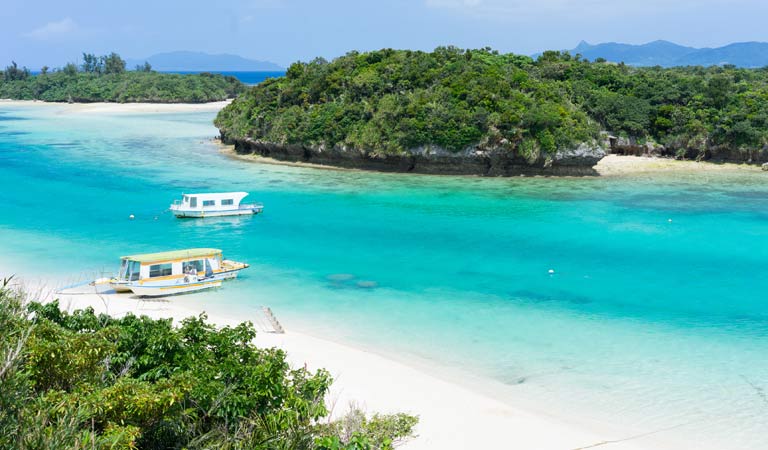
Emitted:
<point x="397" y="100"/>
<point x="104" y="79"/>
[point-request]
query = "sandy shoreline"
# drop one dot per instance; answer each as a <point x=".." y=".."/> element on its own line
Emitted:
<point x="617" y="165"/>
<point x="609" y="166"/>
<point x="452" y="416"/>
<point x="120" y="108"/>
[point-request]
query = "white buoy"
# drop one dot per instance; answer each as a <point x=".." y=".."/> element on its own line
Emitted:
<point x="131" y="217"/>
<point x="669" y="220"/>
<point x="551" y="271"/>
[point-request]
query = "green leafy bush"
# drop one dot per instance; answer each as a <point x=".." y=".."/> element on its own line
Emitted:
<point x="86" y="381"/>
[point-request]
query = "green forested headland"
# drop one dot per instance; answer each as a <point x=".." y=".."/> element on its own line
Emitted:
<point x="105" y="79"/>
<point x="84" y="381"/>
<point x="395" y="101"/>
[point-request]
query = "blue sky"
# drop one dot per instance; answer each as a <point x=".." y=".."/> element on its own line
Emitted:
<point x="54" y="32"/>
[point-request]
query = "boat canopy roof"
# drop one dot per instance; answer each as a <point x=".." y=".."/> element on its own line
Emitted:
<point x="218" y="195"/>
<point x="190" y="253"/>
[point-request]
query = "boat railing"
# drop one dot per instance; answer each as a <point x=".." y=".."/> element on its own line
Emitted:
<point x="254" y="205"/>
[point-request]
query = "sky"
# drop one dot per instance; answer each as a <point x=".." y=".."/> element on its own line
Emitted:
<point x="54" y="32"/>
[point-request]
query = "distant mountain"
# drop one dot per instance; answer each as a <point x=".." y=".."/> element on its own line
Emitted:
<point x="660" y="53"/>
<point x="198" y="61"/>
<point x="668" y="54"/>
<point x="742" y="54"/>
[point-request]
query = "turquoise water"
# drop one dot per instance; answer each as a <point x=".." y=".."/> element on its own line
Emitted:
<point x="247" y="77"/>
<point x="646" y="324"/>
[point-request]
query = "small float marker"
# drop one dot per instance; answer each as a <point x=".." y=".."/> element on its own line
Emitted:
<point x="669" y="220"/>
<point x="131" y="217"/>
<point x="551" y="271"/>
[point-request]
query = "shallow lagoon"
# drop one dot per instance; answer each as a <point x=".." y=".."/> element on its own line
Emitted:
<point x="646" y="324"/>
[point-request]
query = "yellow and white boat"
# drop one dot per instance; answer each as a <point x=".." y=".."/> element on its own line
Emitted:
<point x="176" y="271"/>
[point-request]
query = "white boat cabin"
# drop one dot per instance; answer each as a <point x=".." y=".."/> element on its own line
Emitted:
<point x="214" y="204"/>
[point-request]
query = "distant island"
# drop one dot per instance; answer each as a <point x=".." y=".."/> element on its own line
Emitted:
<point x="106" y="79"/>
<point x="481" y="112"/>
<point x="669" y="54"/>
<point x="185" y="61"/>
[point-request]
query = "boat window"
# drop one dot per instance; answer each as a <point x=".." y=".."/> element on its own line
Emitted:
<point x="198" y="265"/>
<point x="186" y="199"/>
<point x="227" y="202"/>
<point x="193" y="202"/>
<point x="160" y="270"/>
<point x="209" y="202"/>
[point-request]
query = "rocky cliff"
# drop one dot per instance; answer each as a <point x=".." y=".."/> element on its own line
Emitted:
<point x="430" y="159"/>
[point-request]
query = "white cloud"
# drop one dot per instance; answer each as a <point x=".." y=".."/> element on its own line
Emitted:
<point x="53" y="29"/>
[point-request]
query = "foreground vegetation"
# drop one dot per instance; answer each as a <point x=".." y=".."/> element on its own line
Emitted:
<point x="87" y="381"/>
<point x="395" y="101"/>
<point x="105" y="79"/>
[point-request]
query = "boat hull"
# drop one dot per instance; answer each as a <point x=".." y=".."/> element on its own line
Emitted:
<point x="120" y="286"/>
<point x="162" y="290"/>
<point x="182" y="214"/>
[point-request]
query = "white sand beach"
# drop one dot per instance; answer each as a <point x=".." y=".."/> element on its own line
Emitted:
<point x="120" y="108"/>
<point x="617" y="165"/>
<point x="451" y="416"/>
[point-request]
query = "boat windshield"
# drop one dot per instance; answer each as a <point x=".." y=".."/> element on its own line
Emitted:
<point x="132" y="272"/>
<point x="123" y="268"/>
<point x="208" y="269"/>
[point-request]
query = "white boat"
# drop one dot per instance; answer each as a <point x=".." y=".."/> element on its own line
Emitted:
<point x="190" y="266"/>
<point x="214" y="205"/>
<point x="181" y="286"/>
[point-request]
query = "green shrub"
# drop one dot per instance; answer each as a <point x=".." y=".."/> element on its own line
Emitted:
<point x="113" y="85"/>
<point x="85" y="381"/>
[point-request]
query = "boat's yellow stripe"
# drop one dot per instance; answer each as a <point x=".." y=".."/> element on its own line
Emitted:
<point x="177" y="276"/>
<point x="166" y="277"/>
<point x="182" y="286"/>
